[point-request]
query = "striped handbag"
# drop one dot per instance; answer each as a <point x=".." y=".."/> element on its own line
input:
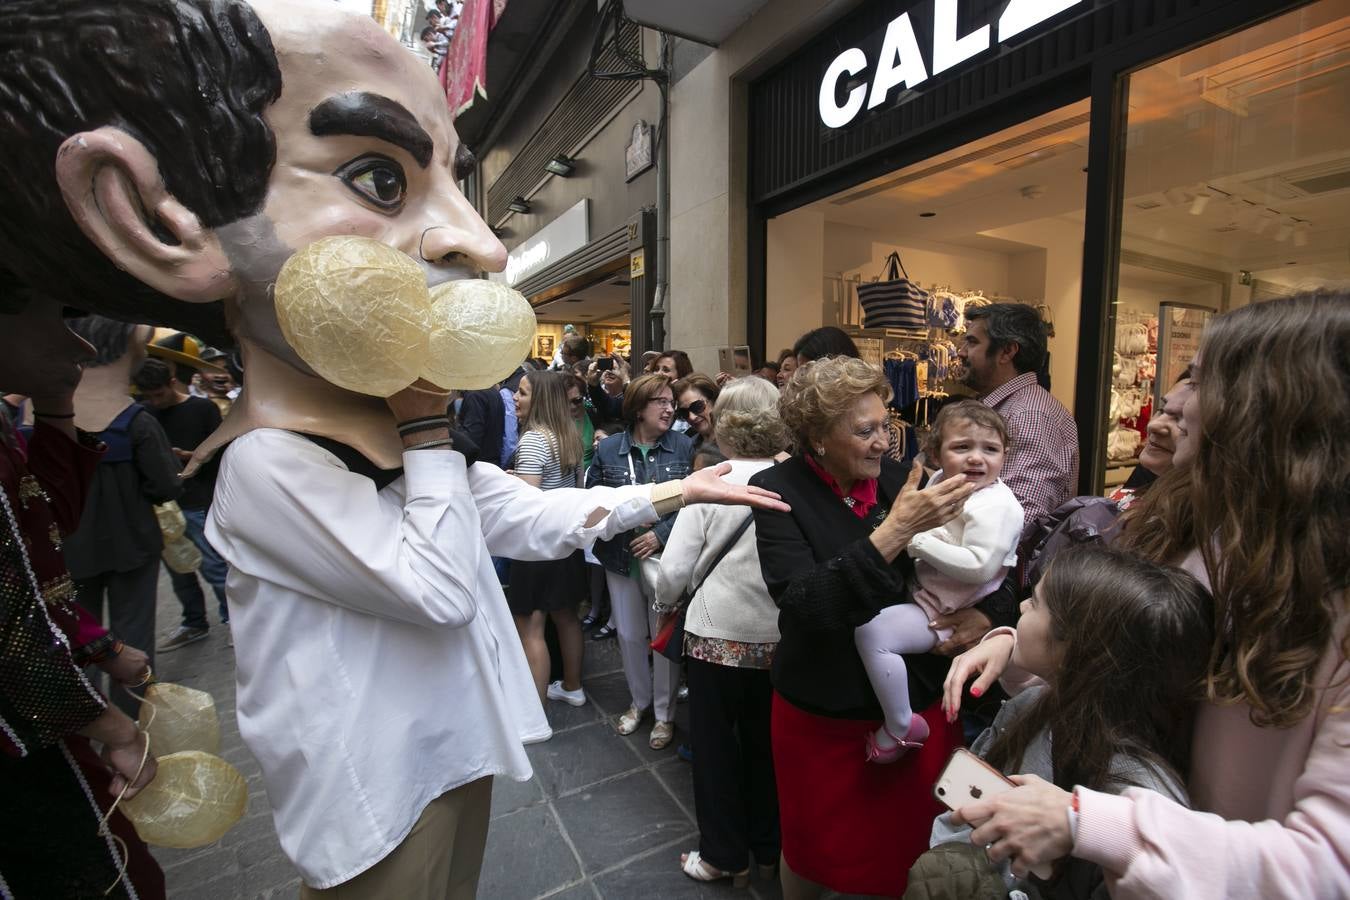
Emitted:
<point x="893" y="301"/>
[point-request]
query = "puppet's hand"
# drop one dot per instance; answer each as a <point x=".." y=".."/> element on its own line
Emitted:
<point x="707" y="486"/>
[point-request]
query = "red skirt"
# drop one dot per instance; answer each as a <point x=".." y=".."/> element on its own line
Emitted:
<point x="853" y="826"/>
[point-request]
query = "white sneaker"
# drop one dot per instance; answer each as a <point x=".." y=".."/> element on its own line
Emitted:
<point x="556" y="692"/>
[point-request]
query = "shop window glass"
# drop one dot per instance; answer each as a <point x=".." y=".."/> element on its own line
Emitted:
<point x="1236" y="190"/>
<point x="996" y="219"/>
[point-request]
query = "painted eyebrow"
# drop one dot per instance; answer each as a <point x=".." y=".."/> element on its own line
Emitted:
<point x="372" y="115"/>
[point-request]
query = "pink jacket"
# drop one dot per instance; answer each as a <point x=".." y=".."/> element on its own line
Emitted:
<point x="1272" y="807"/>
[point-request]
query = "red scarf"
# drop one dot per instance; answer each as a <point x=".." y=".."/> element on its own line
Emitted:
<point x="860" y="499"/>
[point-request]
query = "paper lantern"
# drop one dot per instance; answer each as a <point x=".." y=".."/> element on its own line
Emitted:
<point x="183" y="719"/>
<point x="480" y="333"/>
<point x="194" y="799"/>
<point x="356" y="311"/>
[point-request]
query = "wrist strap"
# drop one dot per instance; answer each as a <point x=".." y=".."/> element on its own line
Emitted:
<point x="443" y="442"/>
<point x="667" y="497"/>
<point x="46" y="415"/>
<point x="1072" y="811"/>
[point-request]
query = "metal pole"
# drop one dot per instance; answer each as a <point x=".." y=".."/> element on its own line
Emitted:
<point x="658" y="312"/>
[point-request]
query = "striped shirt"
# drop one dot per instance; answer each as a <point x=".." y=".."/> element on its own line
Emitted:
<point x="537" y="454"/>
<point x="1042" y="465"/>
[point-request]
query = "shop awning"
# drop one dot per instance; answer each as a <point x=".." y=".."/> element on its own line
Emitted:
<point x="705" y="21"/>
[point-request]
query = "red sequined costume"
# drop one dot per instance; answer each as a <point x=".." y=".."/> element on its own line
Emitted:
<point x="53" y="787"/>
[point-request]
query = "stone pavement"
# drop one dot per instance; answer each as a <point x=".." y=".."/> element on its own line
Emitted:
<point x="604" y="816"/>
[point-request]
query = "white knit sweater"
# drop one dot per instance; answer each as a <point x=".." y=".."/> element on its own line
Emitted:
<point x="732" y="604"/>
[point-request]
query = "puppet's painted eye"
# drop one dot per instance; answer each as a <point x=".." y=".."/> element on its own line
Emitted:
<point x="377" y="179"/>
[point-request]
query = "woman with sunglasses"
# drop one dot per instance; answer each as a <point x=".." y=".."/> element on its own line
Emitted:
<point x="695" y="395"/>
<point x="647" y="451"/>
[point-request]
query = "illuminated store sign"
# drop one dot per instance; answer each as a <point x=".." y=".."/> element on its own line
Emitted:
<point x="901" y="63"/>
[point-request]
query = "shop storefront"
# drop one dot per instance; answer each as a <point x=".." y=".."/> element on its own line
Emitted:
<point x="557" y="179"/>
<point x="1129" y="167"/>
<point x="574" y="277"/>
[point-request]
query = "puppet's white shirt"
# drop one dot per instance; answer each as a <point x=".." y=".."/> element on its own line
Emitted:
<point x="377" y="663"/>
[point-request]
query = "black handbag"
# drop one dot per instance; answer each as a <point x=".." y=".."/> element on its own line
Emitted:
<point x="895" y="301"/>
<point x="669" y="641"/>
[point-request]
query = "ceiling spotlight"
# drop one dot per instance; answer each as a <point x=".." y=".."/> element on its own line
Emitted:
<point x="561" y="166"/>
<point x="520" y="205"/>
<point x="927" y="215"/>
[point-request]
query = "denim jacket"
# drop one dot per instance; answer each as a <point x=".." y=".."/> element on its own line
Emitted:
<point x="670" y="459"/>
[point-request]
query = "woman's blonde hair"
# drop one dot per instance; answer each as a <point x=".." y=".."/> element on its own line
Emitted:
<point x="821" y="391"/>
<point x="550" y="413"/>
<point x="1267" y="498"/>
<point x="748" y="423"/>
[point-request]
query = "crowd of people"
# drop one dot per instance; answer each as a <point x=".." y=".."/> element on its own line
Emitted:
<point x="1138" y="684"/>
<point x="928" y="591"/>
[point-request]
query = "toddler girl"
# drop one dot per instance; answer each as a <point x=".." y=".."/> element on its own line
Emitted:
<point x="1109" y="656"/>
<point x="957" y="565"/>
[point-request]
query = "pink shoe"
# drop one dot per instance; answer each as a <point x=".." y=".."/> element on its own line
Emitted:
<point x="913" y="740"/>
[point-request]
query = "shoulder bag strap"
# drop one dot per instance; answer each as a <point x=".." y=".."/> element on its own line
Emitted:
<point x="721" y="554"/>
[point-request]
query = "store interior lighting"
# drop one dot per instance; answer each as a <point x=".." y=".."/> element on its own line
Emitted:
<point x="1202" y="198"/>
<point x="520" y="205"/>
<point x="560" y="165"/>
<point x="1284" y="231"/>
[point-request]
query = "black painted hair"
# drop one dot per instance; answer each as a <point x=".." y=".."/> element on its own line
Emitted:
<point x="191" y="79"/>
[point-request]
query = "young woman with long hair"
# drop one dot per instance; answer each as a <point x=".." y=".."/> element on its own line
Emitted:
<point x="1110" y="639"/>
<point x="1256" y="507"/>
<point x="549" y="456"/>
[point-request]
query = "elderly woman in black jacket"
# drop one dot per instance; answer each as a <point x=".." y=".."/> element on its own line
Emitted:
<point x="831" y="564"/>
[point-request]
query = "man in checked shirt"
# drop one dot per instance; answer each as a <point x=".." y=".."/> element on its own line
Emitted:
<point x="1003" y="350"/>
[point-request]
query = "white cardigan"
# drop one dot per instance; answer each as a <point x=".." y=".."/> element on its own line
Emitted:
<point x="732" y="604"/>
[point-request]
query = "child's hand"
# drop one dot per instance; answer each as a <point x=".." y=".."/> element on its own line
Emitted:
<point x="989" y="659"/>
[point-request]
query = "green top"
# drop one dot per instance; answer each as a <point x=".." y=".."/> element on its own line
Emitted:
<point x="634" y="564"/>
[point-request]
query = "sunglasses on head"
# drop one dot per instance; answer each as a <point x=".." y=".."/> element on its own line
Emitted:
<point x="697" y="408"/>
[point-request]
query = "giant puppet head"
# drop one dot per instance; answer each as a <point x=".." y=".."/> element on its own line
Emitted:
<point x="162" y="160"/>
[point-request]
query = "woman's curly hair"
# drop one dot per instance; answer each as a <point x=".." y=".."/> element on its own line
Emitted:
<point x="748" y="422"/>
<point x="820" y="392"/>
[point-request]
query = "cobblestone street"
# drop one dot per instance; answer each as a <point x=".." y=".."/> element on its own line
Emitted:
<point x="604" y="816"/>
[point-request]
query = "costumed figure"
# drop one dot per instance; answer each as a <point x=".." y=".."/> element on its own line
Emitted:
<point x="185" y="153"/>
<point x="54" y="789"/>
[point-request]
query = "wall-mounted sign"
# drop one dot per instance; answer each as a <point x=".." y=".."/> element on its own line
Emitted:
<point x="637" y="264"/>
<point x="637" y="158"/>
<point x="901" y="62"/>
<point x="566" y="234"/>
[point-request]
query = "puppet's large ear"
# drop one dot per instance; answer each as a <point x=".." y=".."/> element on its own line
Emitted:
<point x="112" y="185"/>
